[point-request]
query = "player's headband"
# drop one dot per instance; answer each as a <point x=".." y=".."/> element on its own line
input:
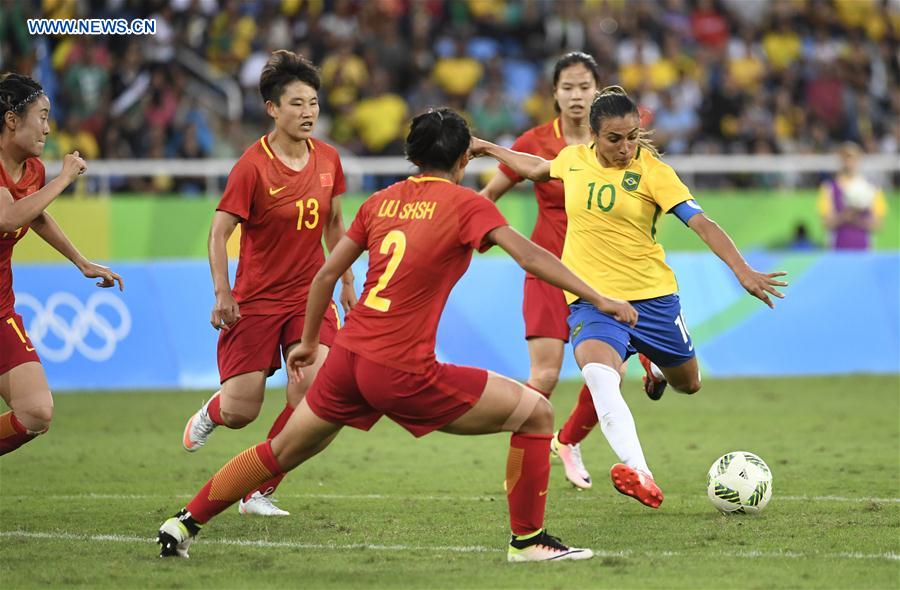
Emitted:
<point x="19" y="106"/>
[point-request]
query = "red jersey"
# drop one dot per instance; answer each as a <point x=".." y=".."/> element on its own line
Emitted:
<point x="545" y="141"/>
<point x="283" y="213"/>
<point x="31" y="181"/>
<point x="420" y="234"/>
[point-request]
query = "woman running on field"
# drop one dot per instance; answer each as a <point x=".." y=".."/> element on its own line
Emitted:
<point x="420" y="234"/>
<point x="283" y="191"/>
<point x="576" y="78"/>
<point x="24" y="196"/>
<point x="615" y="190"/>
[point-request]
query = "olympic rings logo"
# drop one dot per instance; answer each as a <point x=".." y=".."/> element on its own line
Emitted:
<point x="89" y="331"/>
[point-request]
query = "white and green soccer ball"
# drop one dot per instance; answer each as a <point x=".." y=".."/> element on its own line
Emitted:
<point x="739" y="482"/>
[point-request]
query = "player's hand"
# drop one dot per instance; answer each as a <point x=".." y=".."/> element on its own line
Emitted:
<point x="107" y="277"/>
<point x="348" y="297"/>
<point x="73" y="166"/>
<point x="477" y="147"/>
<point x="619" y="309"/>
<point x="226" y="313"/>
<point x="302" y="355"/>
<point x="761" y="285"/>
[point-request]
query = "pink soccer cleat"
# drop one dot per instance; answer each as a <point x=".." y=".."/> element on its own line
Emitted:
<point x="570" y="455"/>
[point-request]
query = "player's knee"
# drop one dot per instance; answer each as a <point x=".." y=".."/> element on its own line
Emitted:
<point x="544" y="378"/>
<point x="238" y="419"/>
<point x="689" y="387"/>
<point x="36" y="419"/>
<point x="540" y="421"/>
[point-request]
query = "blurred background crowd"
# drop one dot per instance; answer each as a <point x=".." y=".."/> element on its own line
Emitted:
<point x="713" y="76"/>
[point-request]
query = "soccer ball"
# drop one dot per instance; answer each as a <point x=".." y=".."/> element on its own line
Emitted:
<point x="858" y="193"/>
<point x="739" y="482"/>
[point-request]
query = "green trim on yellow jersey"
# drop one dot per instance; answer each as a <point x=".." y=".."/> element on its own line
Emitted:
<point x="612" y="216"/>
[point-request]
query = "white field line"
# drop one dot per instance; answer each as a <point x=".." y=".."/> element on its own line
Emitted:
<point x="63" y="536"/>
<point x="408" y="498"/>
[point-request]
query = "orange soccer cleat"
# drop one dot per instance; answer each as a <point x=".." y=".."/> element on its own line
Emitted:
<point x="637" y="484"/>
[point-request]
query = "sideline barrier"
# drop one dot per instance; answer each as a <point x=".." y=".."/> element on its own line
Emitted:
<point x="841" y="316"/>
<point x="148" y="228"/>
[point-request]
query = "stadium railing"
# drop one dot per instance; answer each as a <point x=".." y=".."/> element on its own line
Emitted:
<point x="787" y="170"/>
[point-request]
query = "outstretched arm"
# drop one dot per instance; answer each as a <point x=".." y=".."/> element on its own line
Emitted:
<point x="333" y="232"/>
<point x="342" y="257"/>
<point x="548" y="267"/>
<point x="528" y="166"/>
<point x="46" y="227"/>
<point x="14" y="214"/>
<point x="758" y="284"/>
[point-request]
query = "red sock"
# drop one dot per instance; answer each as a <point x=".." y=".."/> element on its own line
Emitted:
<point x="527" y="480"/>
<point x="544" y="393"/>
<point x="214" y="410"/>
<point x="277" y="426"/>
<point x="581" y="421"/>
<point x="13" y="433"/>
<point x="239" y="476"/>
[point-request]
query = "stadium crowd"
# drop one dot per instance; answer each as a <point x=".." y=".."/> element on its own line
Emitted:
<point x="711" y="76"/>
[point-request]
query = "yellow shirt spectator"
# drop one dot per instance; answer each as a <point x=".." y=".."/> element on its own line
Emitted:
<point x="782" y="48"/>
<point x="457" y="75"/>
<point x="658" y="75"/>
<point x="747" y="72"/>
<point x="343" y="74"/>
<point x="380" y="120"/>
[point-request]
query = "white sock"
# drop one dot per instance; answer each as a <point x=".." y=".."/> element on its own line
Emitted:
<point x="616" y="420"/>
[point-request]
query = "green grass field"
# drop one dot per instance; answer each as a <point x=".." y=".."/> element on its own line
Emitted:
<point x="80" y="507"/>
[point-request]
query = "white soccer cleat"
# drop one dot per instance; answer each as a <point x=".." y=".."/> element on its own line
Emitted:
<point x="544" y="547"/>
<point x="261" y="505"/>
<point x="570" y="455"/>
<point x="198" y="429"/>
<point x="176" y="535"/>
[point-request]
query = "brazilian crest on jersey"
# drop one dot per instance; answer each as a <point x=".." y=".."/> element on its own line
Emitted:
<point x="631" y="181"/>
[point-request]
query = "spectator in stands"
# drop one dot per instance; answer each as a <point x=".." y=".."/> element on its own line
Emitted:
<point x="851" y="207"/>
<point x="457" y="74"/>
<point x="674" y="126"/>
<point x="379" y="119"/>
<point x="829" y="63"/>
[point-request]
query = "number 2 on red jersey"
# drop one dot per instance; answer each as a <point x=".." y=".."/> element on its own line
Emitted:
<point x="395" y="239"/>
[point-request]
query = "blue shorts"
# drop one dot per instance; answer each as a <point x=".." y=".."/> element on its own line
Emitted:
<point x="660" y="334"/>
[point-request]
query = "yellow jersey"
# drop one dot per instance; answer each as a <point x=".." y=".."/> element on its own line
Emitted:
<point x="612" y="213"/>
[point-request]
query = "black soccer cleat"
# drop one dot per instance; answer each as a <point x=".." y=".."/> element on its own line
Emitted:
<point x="176" y="535"/>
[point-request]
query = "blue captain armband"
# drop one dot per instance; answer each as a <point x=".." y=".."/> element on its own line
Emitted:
<point x="685" y="210"/>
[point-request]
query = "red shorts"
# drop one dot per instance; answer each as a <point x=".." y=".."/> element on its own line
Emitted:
<point x="15" y="345"/>
<point x="545" y="310"/>
<point x="257" y="342"/>
<point x="350" y="389"/>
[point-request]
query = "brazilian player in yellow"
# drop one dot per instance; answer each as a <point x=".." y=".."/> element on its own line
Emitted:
<point x="616" y="188"/>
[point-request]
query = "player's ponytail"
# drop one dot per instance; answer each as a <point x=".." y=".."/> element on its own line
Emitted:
<point x="17" y="92"/>
<point x="613" y="102"/>
<point x="436" y="140"/>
